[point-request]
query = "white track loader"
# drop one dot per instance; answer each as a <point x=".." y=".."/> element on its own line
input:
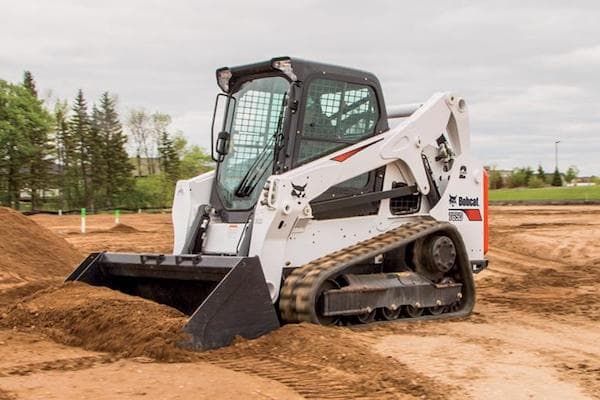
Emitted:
<point x="325" y="206"/>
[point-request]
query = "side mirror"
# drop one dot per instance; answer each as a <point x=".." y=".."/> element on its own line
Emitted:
<point x="222" y="147"/>
<point x="224" y="107"/>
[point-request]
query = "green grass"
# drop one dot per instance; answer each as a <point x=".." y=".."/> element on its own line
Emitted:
<point x="547" y="194"/>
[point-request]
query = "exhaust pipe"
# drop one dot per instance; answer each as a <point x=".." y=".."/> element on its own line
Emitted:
<point x="224" y="296"/>
<point x="402" y="110"/>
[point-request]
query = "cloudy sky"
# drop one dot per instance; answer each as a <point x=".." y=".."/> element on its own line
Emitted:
<point x="530" y="70"/>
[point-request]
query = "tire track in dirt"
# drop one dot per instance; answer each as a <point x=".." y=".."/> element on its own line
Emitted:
<point x="64" y="364"/>
<point x="309" y="382"/>
<point x="327" y="363"/>
<point x="546" y="270"/>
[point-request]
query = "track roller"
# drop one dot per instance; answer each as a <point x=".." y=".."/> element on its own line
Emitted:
<point x="414" y="311"/>
<point x="389" y="315"/>
<point x="366" y="317"/>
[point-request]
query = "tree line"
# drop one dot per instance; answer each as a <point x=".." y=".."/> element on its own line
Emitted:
<point x="74" y="156"/>
<point x="528" y="177"/>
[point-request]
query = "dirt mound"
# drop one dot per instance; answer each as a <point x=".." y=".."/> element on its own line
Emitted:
<point x="122" y="228"/>
<point x="19" y="291"/>
<point x="6" y="396"/>
<point x="101" y="319"/>
<point x="30" y="251"/>
<point x="327" y="362"/>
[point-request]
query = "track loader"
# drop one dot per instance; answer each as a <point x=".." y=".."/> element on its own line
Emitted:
<point x="325" y="207"/>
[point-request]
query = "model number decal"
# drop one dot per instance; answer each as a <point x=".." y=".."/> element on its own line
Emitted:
<point x="455" y="216"/>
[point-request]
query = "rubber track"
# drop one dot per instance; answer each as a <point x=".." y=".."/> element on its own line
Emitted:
<point x="298" y="293"/>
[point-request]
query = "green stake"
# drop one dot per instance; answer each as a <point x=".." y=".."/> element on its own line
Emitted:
<point x="83" y="220"/>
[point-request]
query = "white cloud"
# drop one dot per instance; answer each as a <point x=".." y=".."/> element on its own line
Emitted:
<point x="588" y="57"/>
<point x="527" y="69"/>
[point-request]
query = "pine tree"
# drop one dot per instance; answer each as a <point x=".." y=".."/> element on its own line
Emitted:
<point x="39" y="159"/>
<point x="118" y="180"/>
<point x="79" y="132"/>
<point x="96" y="150"/>
<point x="63" y="149"/>
<point x="38" y="130"/>
<point x="541" y="173"/>
<point x="24" y="144"/>
<point x="168" y="156"/>
<point x="29" y="83"/>
<point x="556" y="178"/>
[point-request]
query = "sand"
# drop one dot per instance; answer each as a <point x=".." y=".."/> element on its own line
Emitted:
<point x="100" y="319"/>
<point x="30" y="251"/>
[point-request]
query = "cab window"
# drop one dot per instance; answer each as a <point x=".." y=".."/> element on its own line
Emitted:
<point x="337" y="114"/>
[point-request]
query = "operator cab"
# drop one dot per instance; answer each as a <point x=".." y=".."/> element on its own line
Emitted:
<point x="282" y="113"/>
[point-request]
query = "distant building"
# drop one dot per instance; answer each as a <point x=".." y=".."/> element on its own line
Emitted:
<point x="582" y="181"/>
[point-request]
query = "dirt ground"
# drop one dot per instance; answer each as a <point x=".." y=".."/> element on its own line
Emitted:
<point x="535" y="332"/>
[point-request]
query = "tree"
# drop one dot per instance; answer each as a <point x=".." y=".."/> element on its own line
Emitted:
<point x="13" y="143"/>
<point x="37" y="130"/>
<point x="117" y="169"/>
<point x="556" y="178"/>
<point x="62" y="151"/>
<point x="29" y="83"/>
<point x="520" y="177"/>
<point x="535" y="182"/>
<point x="96" y="151"/>
<point x="168" y="157"/>
<point x="79" y="132"/>
<point x="495" y="180"/>
<point x="541" y="173"/>
<point x="40" y="162"/>
<point x="195" y="161"/>
<point x="139" y="125"/>
<point x="571" y="173"/>
<point x="528" y="174"/>
<point x="24" y="147"/>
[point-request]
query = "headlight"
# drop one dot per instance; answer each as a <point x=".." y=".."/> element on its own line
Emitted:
<point x="284" y="64"/>
<point x="223" y="77"/>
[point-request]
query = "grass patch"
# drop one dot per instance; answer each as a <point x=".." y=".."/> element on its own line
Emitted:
<point x="589" y="193"/>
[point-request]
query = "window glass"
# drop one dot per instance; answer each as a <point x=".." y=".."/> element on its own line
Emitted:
<point x="253" y="121"/>
<point x="339" y="113"/>
<point x="358" y="182"/>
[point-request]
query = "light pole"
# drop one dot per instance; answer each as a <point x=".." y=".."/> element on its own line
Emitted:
<point x="556" y="154"/>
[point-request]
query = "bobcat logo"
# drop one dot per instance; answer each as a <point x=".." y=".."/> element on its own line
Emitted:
<point x="452" y="200"/>
<point x="298" y="191"/>
<point x="463" y="172"/>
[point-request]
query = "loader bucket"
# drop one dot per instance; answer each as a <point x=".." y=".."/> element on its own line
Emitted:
<point x="224" y="296"/>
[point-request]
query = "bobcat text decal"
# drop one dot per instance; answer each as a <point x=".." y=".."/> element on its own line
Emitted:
<point x="457" y="214"/>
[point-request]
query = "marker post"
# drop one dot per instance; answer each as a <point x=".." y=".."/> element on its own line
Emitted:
<point x="117" y="216"/>
<point x="83" y="212"/>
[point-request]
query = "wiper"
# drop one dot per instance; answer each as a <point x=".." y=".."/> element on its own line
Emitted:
<point x="255" y="172"/>
<point x="257" y="169"/>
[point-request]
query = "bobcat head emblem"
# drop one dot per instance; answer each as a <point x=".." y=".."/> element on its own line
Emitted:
<point x="452" y="200"/>
<point x="298" y="191"/>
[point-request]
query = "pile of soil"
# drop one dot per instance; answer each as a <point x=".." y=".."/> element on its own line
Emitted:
<point x="30" y="251"/>
<point x="101" y="319"/>
<point x="122" y="228"/>
<point x="313" y="360"/>
<point x="5" y="395"/>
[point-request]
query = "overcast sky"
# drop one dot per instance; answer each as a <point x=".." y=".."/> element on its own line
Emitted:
<point x="530" y="70"/>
